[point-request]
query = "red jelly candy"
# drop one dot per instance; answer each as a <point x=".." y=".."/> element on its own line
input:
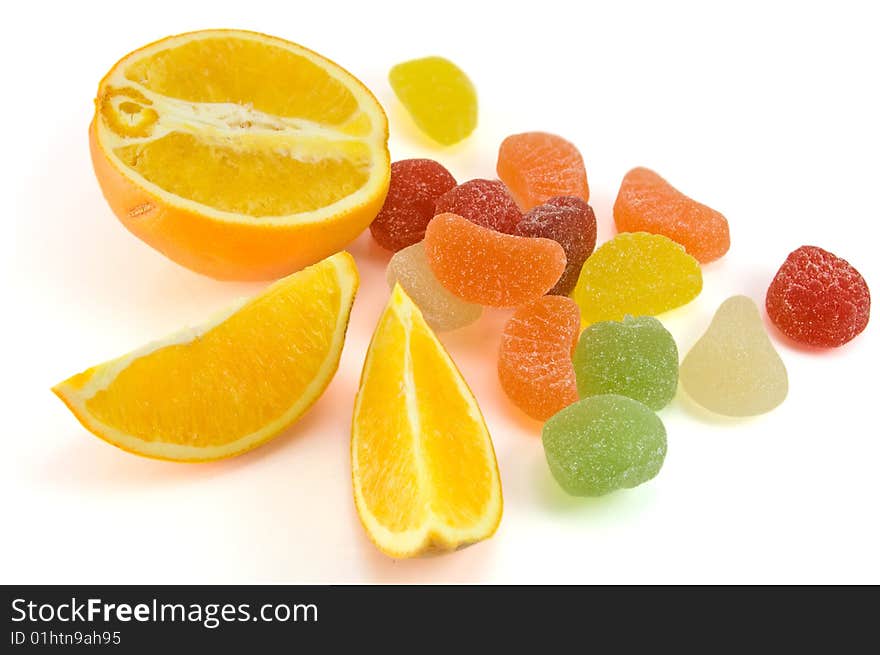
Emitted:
<point x="570" y="222"/>
<point x="818" y="299"/>
<point x="484" y="202"/>
<point x="409" y="205"/>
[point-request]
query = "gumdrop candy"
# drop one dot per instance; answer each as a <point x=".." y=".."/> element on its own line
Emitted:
<point x="604" y="443"/>
<point x="733" y="369"/>
<point x="490" y="268"/>
<point x="438" y="95"/>
<point x="534" y="362"/>
<point x="818" y="299"/>
<point x="636" y="273"/>
<point x="571" y="222"/>
<point x="635" y="357"/>
<point x="442" y="310"/>
<point x="484" y="202"/>
<point x="409" y="206"/>
<point x="537" y="166"/>
<point x="648" y="203"/>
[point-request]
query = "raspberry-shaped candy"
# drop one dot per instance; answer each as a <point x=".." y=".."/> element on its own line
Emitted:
<point x="484" y="202"/>
<point x="409" y="206"/>
<point x="818" y="298"/>
<point x="569" y="221"/>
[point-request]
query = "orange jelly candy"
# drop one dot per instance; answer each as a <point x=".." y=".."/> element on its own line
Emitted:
<point x="537" y="166"/>
<point x="487" y="267"/>
<point x="648" y="203"/>
<point x="534" y="365"/>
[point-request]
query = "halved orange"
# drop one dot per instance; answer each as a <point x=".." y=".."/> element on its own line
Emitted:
<point x="423" y="466"/>
<point x="230" y="384"/>
<point x="239" y="155"/>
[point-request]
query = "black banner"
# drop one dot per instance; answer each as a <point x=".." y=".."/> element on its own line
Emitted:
<point x="145" y="619"/>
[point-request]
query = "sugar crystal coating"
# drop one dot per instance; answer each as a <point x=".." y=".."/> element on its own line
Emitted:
<point x="635" y="357"/>
<point x="733" y="369"/>
<point x="442" y="310"/>
<point x="571" y="222"/>
<point x="818" y="298"/>
<point x="537" y="166"/>
<point x="603" y="443"/>
<point x="636" y="273"/>
<point x="409" y="206"/>
<point x="484" y="202"/>
<point x="487" y="267"/>
<point x="438" y="95"/>
<point x="534" y="362"/>
<point x="648" y="203"/>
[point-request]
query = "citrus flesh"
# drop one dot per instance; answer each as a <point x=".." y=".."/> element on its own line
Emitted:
<point x="423" y="466"/>
<point x="239" y="155"/>
<point x="229" y="385"/>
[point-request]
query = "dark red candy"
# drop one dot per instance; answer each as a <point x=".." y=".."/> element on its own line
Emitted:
<point x="569" y="221"/>
<point x="484" y="202"/>
<point x="818" y="299"/>
<point x="409" y="205"/>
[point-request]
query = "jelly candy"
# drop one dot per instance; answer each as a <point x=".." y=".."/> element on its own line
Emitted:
<point x="603" y="443"/>
<point x="635" y="357"/>
<point x="537" y="166"/>
<point x="409" y="205"/>
<point x="818" y="298"/>
<point x="571" y="222"/>
<point x="442" y="310"/>
<point x="490" y="268"/>
<point x="484" y="202"/>
<point x="636" y="273"/>
<point x="733" y="369"/>
<point x="438" y="95"/>
<point x="648" y="203"/>
<point x="534" y="363"/>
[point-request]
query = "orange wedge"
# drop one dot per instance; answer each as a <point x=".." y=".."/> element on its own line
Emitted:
<point x="239" y="155"/>
<point x="229" y="385"/>
<point x="423" y="467"/>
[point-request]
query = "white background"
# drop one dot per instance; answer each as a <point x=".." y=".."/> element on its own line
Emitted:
<point x="767" y="112"/>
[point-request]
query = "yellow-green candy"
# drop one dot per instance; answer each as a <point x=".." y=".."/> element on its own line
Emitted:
<point x="603" y="443"/>
<point x="635" y="357"/>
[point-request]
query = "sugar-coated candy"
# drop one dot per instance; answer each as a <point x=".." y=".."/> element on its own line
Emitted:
<point x="570" y="221"/>
<point x="603" y="443"/>
<point x="487" y="267"/>
<point x="438" y="95"/>
<point x="441" y="309"/>
<point x="818" y="298"/>
<point x="534" y="362"/>
<point x="733" y="369"/>
<point x="537" y="166"/>
<point x="648" y="203"/>
<point x="636" y="273"/>
<point x="484" y="202"/>
<point x="409" y="206"/>
<point x="635" y="357"/>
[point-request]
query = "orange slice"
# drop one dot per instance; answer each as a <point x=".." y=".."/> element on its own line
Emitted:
<point x="423" y="466"/>
<point x="239" y="155"/>
<point x="230" y="384"/>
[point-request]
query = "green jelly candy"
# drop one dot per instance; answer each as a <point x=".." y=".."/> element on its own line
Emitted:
<point x="603" y="443"/>
<point x="635" y="357"/>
